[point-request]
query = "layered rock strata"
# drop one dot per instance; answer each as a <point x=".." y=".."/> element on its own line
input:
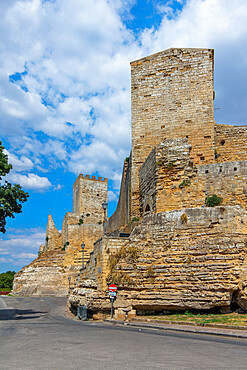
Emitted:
<point x="46" y="275"/>
<point x="184" y="259"/>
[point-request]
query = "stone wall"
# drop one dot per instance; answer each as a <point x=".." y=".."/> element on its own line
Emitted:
<point x="121" y="216"/>
<point x="230" y="143"/>
<point x="169" y="179"/>
<point x="78" y="234"/>
<point x="61" y="256"/>
<point x="148" y="183"/>
<point x="53" y="237"/>
<point x="183" y="259"/>
<point x="92" y="289"/>
<point x="172" y="97"/>
<point x="88" y="196"/>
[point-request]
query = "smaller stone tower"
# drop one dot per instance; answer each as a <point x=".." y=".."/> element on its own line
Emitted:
<point x="88" y="196"/>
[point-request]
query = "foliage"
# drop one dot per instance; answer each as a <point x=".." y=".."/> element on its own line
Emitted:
<point x="100" y="222"/>
<point x="159" y="163"/>
<point x="6" y="280"/>
<point x="80" y="221"/>
<point x="127" y="159"/>
<point x="184" y="184"/>
<point x="11" y="196"/>
<point x="133" y="220"/>
<point x="118" y="277"/>
<point x="64" y="246"/>
<point x="184" y="218"/>
<point x="132" y="253"/>
<point x="213" y="201"/>
<point x="88" y="214"/>
<point x="150" y="271"/>
<point x="47" y="239"/>
<point x="171" y="164"/>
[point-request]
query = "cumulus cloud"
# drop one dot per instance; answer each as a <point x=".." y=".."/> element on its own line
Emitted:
<point x="65" y="79"/>
<point x="19" y="164"/>
<point x="30" y="181"/>
<point x="112" y="197"/>
<point x="218" y="24"/>
<point x="21" y="246"/>
<point x="66" y="76"/>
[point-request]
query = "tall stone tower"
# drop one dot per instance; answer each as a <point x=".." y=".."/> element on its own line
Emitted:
<point x="171" y="97"/>
<point x="88" y="196"/>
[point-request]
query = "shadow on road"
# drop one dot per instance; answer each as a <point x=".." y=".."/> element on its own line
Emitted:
<point x="14" y="314"/>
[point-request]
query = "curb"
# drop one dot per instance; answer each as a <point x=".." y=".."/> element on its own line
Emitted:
<point x="180" y="328"/>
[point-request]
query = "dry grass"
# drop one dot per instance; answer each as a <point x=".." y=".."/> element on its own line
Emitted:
<point x="232" y="319"/>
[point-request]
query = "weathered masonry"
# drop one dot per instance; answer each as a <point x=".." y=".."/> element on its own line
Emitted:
<point x="172" y="121"/>
<point x="181" y="254"/>
<point x="61" y="256"/>
<point x="164" y="246"/>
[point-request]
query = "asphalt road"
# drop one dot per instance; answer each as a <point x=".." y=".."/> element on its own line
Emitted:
<point x="35" y="334"/>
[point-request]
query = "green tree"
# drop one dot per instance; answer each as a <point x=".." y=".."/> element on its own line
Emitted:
<point x="11" y="196"/>
<point x="6" y="280"/>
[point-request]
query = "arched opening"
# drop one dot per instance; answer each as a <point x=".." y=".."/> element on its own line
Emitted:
<point x="147" y="209"/>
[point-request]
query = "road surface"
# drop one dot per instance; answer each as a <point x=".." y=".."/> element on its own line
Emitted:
<point x="35" y="334"/>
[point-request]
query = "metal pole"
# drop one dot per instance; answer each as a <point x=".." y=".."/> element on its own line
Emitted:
<point x="82" y="248"/>
<point x="69" y="278"/>
<point x="112" y="300"/>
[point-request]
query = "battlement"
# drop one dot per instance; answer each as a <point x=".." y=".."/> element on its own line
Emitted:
<point x="87" y="177"/>
<point x="88" y="196"/>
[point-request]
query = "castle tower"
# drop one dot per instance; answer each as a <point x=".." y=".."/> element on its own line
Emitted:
<point x="171" y="97"/>
<point x="88" y="196"/>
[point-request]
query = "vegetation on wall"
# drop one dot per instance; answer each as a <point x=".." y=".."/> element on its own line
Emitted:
<point x="64" y="246"/>
<point x="184" y="218"/>
<point x="133" y="220"/>
<point x="213" y="201"/>
<point x="80" y="220"/>
<point x="184" y="184"/>
<point x="131" y="254"/>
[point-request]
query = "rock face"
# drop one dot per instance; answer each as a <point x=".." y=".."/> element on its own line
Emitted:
<point x="184" y="259"/>
<point x="46" y="275"/>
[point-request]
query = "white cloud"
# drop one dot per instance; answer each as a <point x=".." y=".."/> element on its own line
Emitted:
<point x="112" y="197"/>
<point x="75" y="56"/>
<point x="19" y="164"/>
<point x="218" y="24"/>
<point x="21" y="246"/>
<point x="30" y="181"/>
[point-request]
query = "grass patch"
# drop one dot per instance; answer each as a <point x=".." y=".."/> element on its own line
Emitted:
<point x="232" y="319"/>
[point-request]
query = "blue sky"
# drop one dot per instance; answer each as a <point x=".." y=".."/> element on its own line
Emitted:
<point x="65" y="92"/>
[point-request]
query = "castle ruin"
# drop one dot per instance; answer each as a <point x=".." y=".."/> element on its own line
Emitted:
<point x="163" y="247"/>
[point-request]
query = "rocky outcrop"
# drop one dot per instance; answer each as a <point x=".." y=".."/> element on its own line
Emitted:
<point x="185" y="259"/>
<point x="46" y="275"/>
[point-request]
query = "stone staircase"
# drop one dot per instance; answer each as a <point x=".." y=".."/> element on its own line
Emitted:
<point x="49" y="259"/>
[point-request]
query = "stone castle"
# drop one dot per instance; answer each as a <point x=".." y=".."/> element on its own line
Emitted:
<point x="163" y="247"/>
